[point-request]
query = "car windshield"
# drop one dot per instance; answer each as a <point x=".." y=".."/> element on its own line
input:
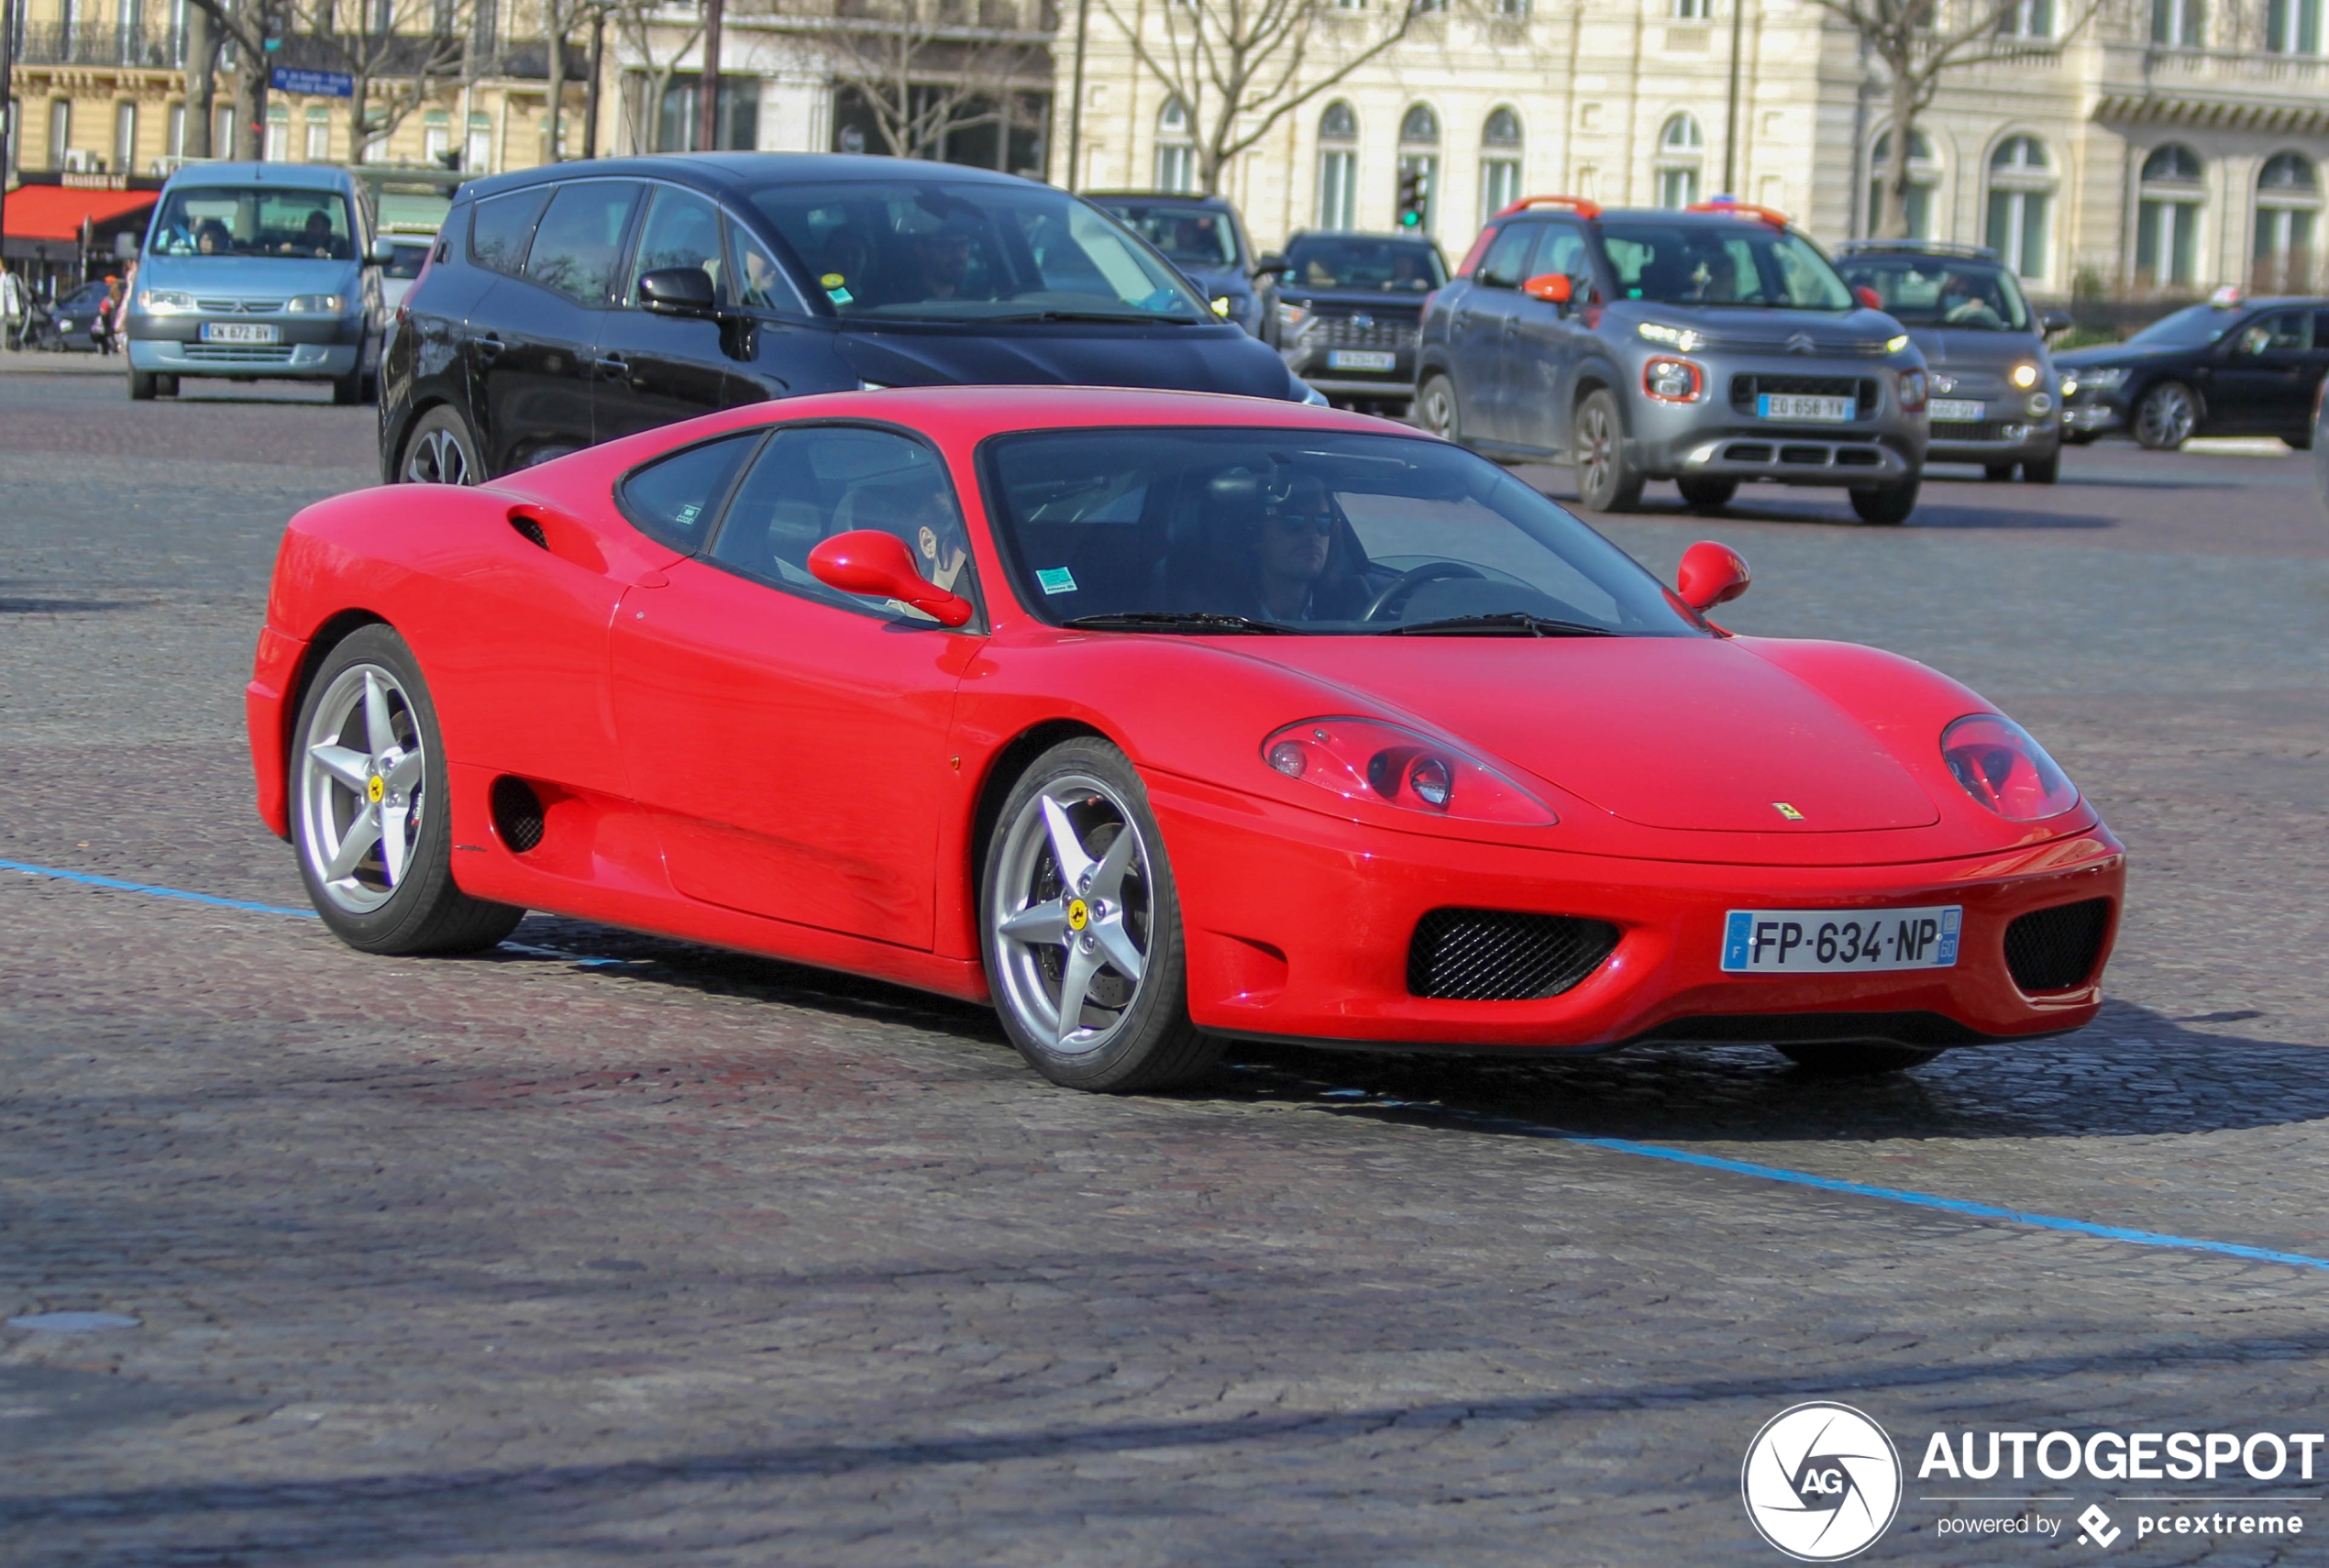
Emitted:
<point x="1734" y="263"/>
<point x="1347" y="262"/>
<point x="948" y="251"/>
<point x="1941" y="290"/>
<point x="1191" y="236"/>
<point x="2193" y="326"/>
<point x="1279" y="530"/>
<point x="254" y="220"/>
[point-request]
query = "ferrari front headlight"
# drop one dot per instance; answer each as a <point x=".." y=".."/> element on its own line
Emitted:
<point x="2002" y="769"/>
<point x="1368" y="759"/>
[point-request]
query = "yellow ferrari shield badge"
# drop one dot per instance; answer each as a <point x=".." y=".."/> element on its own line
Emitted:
<point x="1078" y="914"/>
<point x="374" y="788"/>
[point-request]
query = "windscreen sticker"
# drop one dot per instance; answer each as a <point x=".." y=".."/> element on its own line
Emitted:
<point x="1057" y="579"/>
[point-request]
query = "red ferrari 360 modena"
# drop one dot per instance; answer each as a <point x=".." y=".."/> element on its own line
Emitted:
<point x="1157" y="719"/>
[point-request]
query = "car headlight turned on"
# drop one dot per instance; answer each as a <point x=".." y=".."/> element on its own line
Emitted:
<point x="1367" y="759"/>
<point x="166" y="302"/>
<point x="2098" y="378"/>
<point x="316" y="305"/>
<point x="2024" y="376"/>
<point x="1913" y="390"/>
<point x="1674" y="380"/>
<point x="2001" y="767"/>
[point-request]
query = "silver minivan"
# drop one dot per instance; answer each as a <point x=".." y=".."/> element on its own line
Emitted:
<point x="257" y="272"/>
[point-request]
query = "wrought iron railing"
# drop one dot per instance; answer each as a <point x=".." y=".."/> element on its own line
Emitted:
<point x="92" y="43"/>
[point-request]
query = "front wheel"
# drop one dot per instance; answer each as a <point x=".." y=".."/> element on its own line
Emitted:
<point x="2042" y="470"/>
<point x="369" y="807"/>
<point x="1607" y="480"/>
<point x="1435" y="409"/>
<point x="1080" y="927"/>
<point x="1706" y="494"/>
<point x="141" y="386"/>
<point x="1858" y="1058"/>
<point x="1888" y="504"/>
<point x="2167" y="416"/>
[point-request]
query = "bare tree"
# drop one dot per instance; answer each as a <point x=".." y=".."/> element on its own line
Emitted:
<point x="639" y="24"/>
<point x="924" y="70"/>
<point x="400" y="54"/>
<point x="244" y="24"/>
<point x="1921" y="42"/>
<point x="1240" y="67"/>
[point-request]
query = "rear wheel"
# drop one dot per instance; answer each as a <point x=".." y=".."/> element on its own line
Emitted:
<point x="1081" y="928"/>
<point x="1858" y="1058"/>
<point x="1607" y="480"/>
<point x="2167" y="416"/>
<point x="1435" y="409"/>
<point x="2042" y="470"/>
<point x="1888" y="504"/>
<point x="369" y="807"/>
<point x="1706" y="494"/>
<point x="441" y="450"/>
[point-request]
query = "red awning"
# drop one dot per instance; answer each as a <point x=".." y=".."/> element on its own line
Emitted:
<point x="54" y="212"/>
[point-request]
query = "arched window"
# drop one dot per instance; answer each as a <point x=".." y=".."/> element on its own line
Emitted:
<point x="2292" y="26"/>
<point x="1338" y="167"/>
<point x="1923" y="177"/>
<point x="2179" y="24"/>
<point x="2166" y="218"/>
<point x="1500" y="162"/>
<point x="2021" y="205"/>
<point x="1416" y="206"/>
<point x="1175" y="155"/>
<point x="1681" y="148"/>
<point x="2287" y="210"/>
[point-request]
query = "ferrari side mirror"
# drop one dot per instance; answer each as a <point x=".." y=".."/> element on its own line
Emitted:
<point x="1711" y="574"/>
<point x="866" y="560"/>
<point x="1868" y="297"/>
<point x="1552" y="288"/>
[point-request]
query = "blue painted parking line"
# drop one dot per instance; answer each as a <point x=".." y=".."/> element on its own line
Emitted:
<point x="90" y="880"/>
<point x="1344" y="1097"/>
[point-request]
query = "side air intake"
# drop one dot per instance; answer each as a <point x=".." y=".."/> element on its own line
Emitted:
<point x="517" y="814"/>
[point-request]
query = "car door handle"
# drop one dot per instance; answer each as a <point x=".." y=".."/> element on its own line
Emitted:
<point x="487" y="347"/>
<point x="615" y="367"/>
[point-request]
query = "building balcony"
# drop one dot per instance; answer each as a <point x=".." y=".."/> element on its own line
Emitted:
<point x="2237" y="89"/>
<point x="90" y="43"/>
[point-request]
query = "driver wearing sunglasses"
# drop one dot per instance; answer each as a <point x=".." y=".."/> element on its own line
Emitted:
<point x="1292" y="550"/>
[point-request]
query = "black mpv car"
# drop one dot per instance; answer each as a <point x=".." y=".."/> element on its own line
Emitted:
<point x="573" y="305"/>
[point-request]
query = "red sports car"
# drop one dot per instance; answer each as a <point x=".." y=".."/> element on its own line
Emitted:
<point x="1157" y="719"/>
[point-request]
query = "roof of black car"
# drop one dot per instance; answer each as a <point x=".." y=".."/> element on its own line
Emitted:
<point x="1159" y="198"/>
<point x="1421" y="241"/>
<point x="747" y="171"/>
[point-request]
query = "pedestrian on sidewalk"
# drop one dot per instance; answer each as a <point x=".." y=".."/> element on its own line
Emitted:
<point x="109" y="313"/>
<point x="14" y="305"/>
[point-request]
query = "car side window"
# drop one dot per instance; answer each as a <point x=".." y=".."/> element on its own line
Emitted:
<point x="499" y="226"/>
<point x="682" y="229"/>
<point x="1506" y="264"/>
<point x="761" y="282"/>
<point x="813" y="481"/>
<point x="674" y="499"/>
<point x="1562" y="251"/>
<point x="580" y="240"/>
<point x="2290" y="331"/>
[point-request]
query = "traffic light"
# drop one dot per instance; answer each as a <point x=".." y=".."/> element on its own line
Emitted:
<point x="1415" y="197"/>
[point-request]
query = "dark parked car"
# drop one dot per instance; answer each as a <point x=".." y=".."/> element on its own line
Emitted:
<point x="1350" y="309"/>
<point x="1995" y="389"/>
<point x="2234" y="366"/>
<point x="1204" y="237"/>
<point x="584" y="302"/>
<point x="1715" y="347"/>
<point x="78" y="317"/>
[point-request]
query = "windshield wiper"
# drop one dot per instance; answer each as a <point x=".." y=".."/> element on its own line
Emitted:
<point x="1171" y="619"/>
<point x="1504" y="624"/>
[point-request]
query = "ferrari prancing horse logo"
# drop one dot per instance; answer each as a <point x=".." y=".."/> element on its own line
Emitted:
<point x="1784" y="809"/>
<point x="374" y="788"/>
<point x="1079" y="914"/>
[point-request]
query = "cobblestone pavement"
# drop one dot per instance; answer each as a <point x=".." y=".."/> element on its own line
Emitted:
<point x="606" y="1249"/>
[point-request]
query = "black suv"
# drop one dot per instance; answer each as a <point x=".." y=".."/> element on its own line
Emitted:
<point x="1204" y="237"/>
<point x="573" y="305"/>
<point x="2232" y="367"/>
<point x="1349" y="310"/>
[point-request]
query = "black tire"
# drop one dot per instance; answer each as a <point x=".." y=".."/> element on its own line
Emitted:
<point x="1888" y="504"/>
<point x="2165" y="416"/>
<point x="347" y="390"/>
<point x="1149" y="1041"/>
<point x="166" y="385"/>
<point x="440" y="450"/>
<point x="1706" y="494"/>
<point x="1858" y="1058"/>
<point x="2042" y="470"/>
<point x="423" y="910"/>
<point x="2078" y="438"/>
<point x="1437" y="411"/>
<point x="1998" y="473"/>
<point x="1606" y="478"/>
<point x="141" y="386"/>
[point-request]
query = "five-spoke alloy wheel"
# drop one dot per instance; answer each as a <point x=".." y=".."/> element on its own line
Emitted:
<point x="441" y="451"/>
<point x="2167" y="416"/>
<point x="369" y="807"/>
<point x="1081" y="928"/>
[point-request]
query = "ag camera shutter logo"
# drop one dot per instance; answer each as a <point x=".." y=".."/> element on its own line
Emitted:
<point x="1821" y="1481"/>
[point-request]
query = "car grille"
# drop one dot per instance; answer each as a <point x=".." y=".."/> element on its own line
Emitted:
<point x="1843" y="455"/>
<point x="240" y="307"/>
<point x="238" y="353"/>
<point x="1344" y="332"/>
<point x="1745" y="388"/>
<point x="2055" y="950"/>
<point x="1956" y="430"/>
<point x="1502" y="956"/>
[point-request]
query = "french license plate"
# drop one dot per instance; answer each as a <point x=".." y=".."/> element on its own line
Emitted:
<point x="1958" y="411"/>
<point x="1795" y="405"/>
<point x="238" y="332"/>
<point x="1361" y="359"/>
<point x="1831" y="941"/>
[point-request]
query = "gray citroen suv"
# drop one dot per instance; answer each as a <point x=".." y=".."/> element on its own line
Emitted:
<point x="1714" y="346"/>
<point x="1993" y="397"/>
